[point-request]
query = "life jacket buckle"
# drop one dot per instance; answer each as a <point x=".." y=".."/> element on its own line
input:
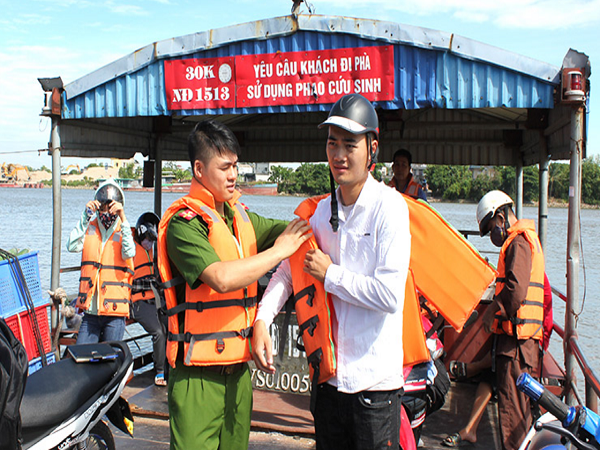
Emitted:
<point x="199" y="307"/>
<point x="516" y="321"/>
<point x="246" y="333"/>
<point x="249" y="302"/>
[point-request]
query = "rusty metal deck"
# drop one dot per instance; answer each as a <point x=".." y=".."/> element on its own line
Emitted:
<point x="283" y="421"/>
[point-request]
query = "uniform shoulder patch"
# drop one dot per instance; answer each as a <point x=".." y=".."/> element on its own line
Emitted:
<point x="187" y="214"/>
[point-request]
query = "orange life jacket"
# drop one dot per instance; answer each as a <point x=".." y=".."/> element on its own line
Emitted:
<point x="105" y="272"/>
<point x="314" y="311"/>
<point x="143" y="262"/>
<point x="530" y="316"/>
<point x="412" y="188"/>
<point x="216" y="326"/>
<point x="414" y="340"/>
<point x="313" y="307"/>
<point x="449" y="272"/>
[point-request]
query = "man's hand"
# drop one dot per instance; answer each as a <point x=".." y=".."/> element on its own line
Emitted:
<point x="294" y="235"/>
<point x="488" y="316"/>
<point x="316" y="264"/>
<point x="262" y="348"/>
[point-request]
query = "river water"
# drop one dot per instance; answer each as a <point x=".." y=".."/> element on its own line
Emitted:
<point x="26" y="222"/>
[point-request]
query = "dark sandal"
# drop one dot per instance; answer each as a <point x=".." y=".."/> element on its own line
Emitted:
<point x="454" y="440"/>
<point x="458" y="370"/>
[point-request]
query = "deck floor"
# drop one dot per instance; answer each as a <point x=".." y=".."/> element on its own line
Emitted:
<point x="284" y="422"/>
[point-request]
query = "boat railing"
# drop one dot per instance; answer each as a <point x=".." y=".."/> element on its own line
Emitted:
<point x="592" y="385"/>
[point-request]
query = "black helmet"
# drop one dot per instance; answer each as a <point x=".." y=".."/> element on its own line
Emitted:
<point x="147" y="227"/>
<point x="109" y="192"/>
<point x="355" y="114"/>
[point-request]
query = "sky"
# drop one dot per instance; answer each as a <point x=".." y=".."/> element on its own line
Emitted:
<point x="71" y="38"/>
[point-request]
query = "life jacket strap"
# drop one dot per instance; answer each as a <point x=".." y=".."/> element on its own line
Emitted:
<point x="146" y="264"/>
<point x="314" y="359"/>
<point x="114" y="302"/>
<point x="219" y="336"/>
<point x="247" y="302"/>
<point x="89" y="281"/>
<point x="116" y="283"/>
<point x="531" y="284"/>
<point x="309" y="325"/>
<point x="172" y="282"/>
<point x="309" y="292"/>
<point x="518" y="321"/>
<point x="90" y="263"/>
<point x="435" y="326"/>
<point x="102" y="266"/>
<point x="539" y="303"/>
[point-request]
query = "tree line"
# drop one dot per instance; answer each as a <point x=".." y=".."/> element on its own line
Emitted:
<point x="453" y="182"/>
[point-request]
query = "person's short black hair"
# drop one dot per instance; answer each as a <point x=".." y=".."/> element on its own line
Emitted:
<point x="211" y="137"/>
<point x="405" y="153"/>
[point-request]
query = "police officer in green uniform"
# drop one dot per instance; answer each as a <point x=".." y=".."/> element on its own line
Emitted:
<point x="210" y="401"/>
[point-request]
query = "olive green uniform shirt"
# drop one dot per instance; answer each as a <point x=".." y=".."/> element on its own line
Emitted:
<point x="190" y="252"/>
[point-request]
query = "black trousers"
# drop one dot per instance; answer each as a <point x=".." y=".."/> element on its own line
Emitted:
<point x="144" y="312"/>
<point x="368" y="420"/>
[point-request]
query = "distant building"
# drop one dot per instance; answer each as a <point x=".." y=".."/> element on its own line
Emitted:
<point x="119" y="163"/>
<point x="246" y="172"/>
<point x="124" y="183"/>
<point x="490" y="171"/>
<point x="262" y="171"/>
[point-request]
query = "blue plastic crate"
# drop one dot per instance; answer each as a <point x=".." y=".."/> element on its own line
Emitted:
<point x="11" y="300"/>
<point x="36" y="363"/>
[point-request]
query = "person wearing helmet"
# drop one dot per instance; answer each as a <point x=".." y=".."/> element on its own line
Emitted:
<point x="515" y="316"/>
<point x="211" y="253"/>
<point x="362" y="231"/>
<point x="104" y="237"/>
<point x="146" y="301"/>
<point x="403" y="180"/>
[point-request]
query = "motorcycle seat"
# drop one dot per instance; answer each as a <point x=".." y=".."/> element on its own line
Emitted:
<point x="57" y="391"/>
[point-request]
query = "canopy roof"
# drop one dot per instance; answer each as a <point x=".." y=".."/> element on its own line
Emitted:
<point x="446" y="98"/>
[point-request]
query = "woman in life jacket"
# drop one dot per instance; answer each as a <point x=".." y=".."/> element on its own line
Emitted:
<point x="104" y="237"/>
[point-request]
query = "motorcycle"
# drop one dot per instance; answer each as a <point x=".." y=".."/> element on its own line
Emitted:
<point x="561" y="424"/>
<point x="63" y="403"/>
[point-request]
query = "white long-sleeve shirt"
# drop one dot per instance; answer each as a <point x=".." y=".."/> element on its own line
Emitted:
<point x="370" y="255"/>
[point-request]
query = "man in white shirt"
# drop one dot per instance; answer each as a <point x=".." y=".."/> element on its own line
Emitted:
<point x="363" y="265"/>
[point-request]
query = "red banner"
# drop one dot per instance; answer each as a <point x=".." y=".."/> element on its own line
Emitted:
<point x="200" y="83"/>
<point x="319" y="76"/>
<point x="290" y="78"/>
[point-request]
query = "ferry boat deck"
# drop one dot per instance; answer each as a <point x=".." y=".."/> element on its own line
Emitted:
<point x="283" y="421"/>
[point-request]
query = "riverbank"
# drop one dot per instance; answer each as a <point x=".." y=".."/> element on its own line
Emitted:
<point x="95" y="173"/>
<point x="552" y="203"/>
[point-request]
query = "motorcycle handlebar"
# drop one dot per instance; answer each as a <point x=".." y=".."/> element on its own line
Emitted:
<point x="545" y="398"/>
